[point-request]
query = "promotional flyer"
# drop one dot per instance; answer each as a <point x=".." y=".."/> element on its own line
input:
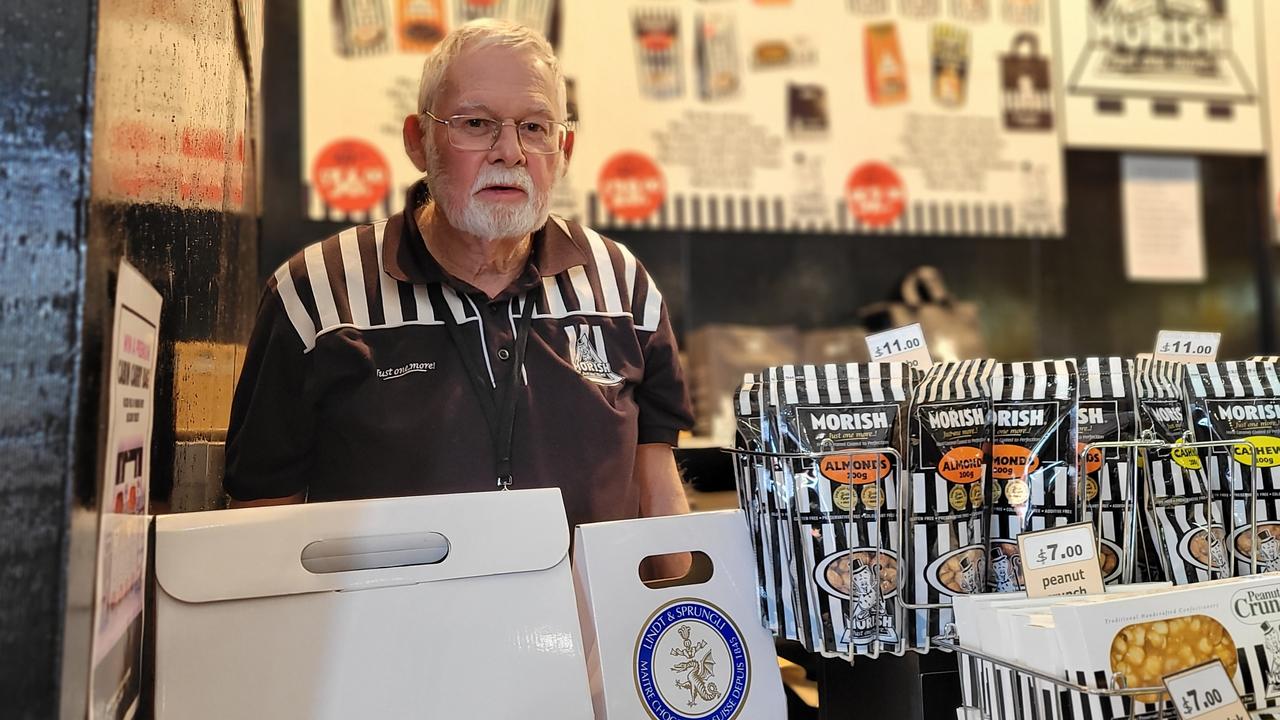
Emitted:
<point x="863" y="116"/>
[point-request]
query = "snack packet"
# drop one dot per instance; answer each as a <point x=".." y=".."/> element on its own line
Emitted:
<point x="419" y="24"/>
<point x="1241" y="401"/>
<point x="1032" y="459"/>
<point x="657" y="45"/>
<point x="1107" y="476"/>
<point x="467" y="10"/>
<point x="886" y="69"/>
<point x="944" y="542"/>
<point x="359" y="27"/>
<point x="1187" y="531"/>
<point x="754" y="479"/>
<point x="845" y="526"/>
<point x="716" y="48"/>
<point x="949" y="51"/>
<point x="777" y="496"/>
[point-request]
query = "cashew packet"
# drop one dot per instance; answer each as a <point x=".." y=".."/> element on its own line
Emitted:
<point x="1187" y="530"/>
<point x="1241" y="401"/>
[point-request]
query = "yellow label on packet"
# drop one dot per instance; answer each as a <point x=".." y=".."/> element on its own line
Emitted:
<point x="1266" y="447"/>
<point x="1186" y="457"/>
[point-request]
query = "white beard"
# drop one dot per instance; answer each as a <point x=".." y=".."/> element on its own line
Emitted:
<point x="487" y="221"/>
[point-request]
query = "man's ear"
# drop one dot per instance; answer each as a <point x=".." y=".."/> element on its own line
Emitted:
<point x="413" y="146"/>
<point x="568" y="152"/>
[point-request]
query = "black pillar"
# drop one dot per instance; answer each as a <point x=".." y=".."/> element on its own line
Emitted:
<point x="47" y="375"/>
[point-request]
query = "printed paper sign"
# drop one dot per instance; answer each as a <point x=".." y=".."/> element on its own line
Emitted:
<point x="904" y="344"/>
<point x="123" y="503"/>
<point x="1187" y="347"/>
<point x="1205" y="692"/>
<point x="1163" y="230"/>
<point x="1061" y="561"/>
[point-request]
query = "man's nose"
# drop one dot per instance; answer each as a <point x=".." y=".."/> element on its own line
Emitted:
<point x="506" y="148"/>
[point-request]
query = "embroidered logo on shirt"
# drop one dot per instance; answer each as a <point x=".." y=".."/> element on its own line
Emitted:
<point x="587" y="353"/>
<point x="413" y="367"/>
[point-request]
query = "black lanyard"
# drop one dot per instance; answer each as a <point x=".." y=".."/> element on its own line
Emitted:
<point x="500" y="411"/>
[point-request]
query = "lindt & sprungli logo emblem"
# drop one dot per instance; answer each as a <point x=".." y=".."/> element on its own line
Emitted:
<point x="691" y="663"/>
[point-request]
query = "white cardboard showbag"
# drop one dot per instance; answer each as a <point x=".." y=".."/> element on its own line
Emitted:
<point x="688" y="652"/>
<point x="345" y="610"/>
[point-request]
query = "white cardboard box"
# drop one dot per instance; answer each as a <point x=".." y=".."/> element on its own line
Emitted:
<point x="986" y="622"/>
<point x="676" y="653"/>
<point x="245" y="630"/>
<point x="1236" y="619"/>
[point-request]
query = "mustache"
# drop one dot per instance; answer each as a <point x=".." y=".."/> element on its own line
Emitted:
<point x="491" y="175"/>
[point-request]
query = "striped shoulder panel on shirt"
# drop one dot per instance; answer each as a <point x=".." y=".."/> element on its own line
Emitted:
<point x="340" y="283"/>
<point x="611" y="283"/>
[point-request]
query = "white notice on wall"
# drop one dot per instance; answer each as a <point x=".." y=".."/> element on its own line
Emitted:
<point x="1163" y="237"/>
<point x="115" y="676"/>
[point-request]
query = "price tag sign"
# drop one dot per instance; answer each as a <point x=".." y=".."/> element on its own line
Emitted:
<point x="1205" y="692"/>
<point x="1061" y="561"/>
<point x="1187" y="347"/>
<point x="904" y="344"/>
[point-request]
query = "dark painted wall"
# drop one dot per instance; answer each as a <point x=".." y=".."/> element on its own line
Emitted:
<point x="44" y="97"/>
<point x="123" y="133"/>
<point x="1039" y="297"/>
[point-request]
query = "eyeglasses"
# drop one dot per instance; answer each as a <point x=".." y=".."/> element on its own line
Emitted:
<point x="476" y="132"/>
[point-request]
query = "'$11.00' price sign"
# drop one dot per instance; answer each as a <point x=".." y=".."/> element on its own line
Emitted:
<point x="904" y="344"/>
<point x="1187" y="347"/>
<point x="1205" y="692"/>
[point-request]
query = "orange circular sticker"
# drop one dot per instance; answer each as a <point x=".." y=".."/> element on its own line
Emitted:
<point x="657" y="41"/>
<point x="875" y="194"/>
<point x="631" y="186"/>
<point x="1092" y="461"/>
<point x="856" y="469"/>
<point x="962" y="464"/>
<point x="1012" y="461"/>
<point x="351" y="175"/>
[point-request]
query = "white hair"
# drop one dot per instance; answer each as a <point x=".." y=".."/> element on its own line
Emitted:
<point x="479" y="34"/>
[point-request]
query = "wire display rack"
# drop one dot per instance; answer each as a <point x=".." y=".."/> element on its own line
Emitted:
<point x="996" y="688"/>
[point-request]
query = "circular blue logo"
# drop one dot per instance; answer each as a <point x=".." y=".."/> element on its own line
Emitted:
<point x="691" y="663"/>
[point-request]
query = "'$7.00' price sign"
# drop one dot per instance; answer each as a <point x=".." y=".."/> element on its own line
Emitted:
<point x="1205" y="692"/>
<point x="1061" y="561"/>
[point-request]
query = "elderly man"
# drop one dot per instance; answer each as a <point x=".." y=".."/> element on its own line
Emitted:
<point x="472" y="341"/>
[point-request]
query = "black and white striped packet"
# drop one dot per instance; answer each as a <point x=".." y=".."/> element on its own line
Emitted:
<point x="1241" y="401"/>
<point x="777" y="495"/>
<point x="1190" y="547"/>
<point x="1106" y="476"/>
<point x="1033" y="466"/>
<point x="754" y="480"/>
<point x="950" y="435"/>
<point x="845" y="524"/>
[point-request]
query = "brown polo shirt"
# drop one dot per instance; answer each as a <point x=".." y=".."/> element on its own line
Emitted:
<point x="353" y="388"/>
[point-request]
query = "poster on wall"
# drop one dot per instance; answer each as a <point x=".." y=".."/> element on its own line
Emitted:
<point x="114" y="681"/>
<point x="1177" y="75"/>
<point x="849" y="116"/>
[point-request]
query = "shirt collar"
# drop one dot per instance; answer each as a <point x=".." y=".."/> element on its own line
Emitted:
<point x="556" y="248"/>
